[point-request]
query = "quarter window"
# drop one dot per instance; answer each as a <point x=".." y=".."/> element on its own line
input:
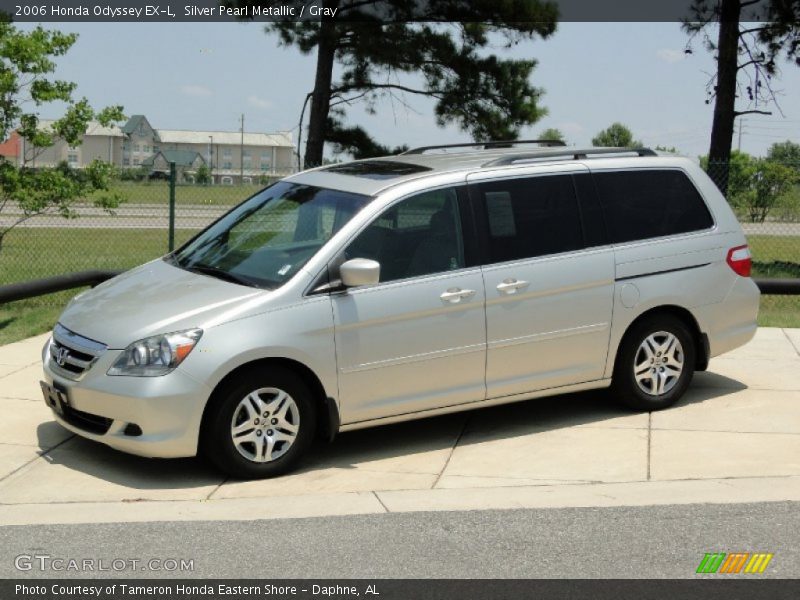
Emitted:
<point x="529" y="217"/>
<point x="650" y="203"/>
<point x="419" y="236"/>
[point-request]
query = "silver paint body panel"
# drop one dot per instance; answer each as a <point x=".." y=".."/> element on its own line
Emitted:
<point x="397" y="351"/>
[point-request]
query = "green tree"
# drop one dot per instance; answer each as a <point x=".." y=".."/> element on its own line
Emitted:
<point x="741" y="169"/>
<point x="616" y="136"/>
<point x="443" y="43"/>
<point x="26" y="63"/>
<point x="751" y="36"/>
<point x="670" y="149"/>
<point x="787" y="153"/>
<point x="755" y="185"/>
<point x="742" y="172"/>
<point x="354" y="140"/>
<point x="771" y="182"/>
<point x="203" y="175"/>
<point x="552" y="134"/>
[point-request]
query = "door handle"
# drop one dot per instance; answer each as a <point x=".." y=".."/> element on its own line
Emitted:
<point x="456" y="295"/>
<point x="510" y="286"/>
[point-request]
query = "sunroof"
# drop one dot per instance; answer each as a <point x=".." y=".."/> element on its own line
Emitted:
<point x="378" y="169"/>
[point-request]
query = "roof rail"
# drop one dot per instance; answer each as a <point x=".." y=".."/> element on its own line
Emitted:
<point x="486" y="145"/>
<point x="569" y="154"/>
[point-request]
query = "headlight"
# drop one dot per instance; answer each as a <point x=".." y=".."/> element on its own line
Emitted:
<point x="157" y="355"/>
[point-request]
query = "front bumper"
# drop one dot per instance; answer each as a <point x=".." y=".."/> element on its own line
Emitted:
<point x="168" y="410"/>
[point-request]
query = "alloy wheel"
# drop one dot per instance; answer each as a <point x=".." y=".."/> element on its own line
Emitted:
<point x="658" y="363"/>
<point x="265" y="424"/>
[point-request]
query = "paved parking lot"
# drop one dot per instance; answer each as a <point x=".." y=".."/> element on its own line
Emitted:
<point x="734" y="438"/>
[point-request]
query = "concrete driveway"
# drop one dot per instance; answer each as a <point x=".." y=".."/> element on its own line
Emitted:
<point x="735" y="437"/>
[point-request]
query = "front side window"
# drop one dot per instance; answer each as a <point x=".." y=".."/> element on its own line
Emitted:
<point x="650" y="203"/>
<point x="418" y="236"/>
<point x="265" y="240"/>
<point x="530" y="217"/>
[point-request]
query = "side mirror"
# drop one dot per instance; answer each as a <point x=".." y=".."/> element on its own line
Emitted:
<point x="360" y="271"/>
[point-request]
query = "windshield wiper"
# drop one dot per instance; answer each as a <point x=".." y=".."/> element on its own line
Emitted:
<point x="221" y="274"/>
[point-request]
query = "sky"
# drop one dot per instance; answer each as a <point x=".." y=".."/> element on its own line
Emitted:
<point x="205" y="75"/>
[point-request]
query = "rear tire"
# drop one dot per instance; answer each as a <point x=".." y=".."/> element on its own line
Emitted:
<point x="260" y="424"/>
<point x="655" y="363"/>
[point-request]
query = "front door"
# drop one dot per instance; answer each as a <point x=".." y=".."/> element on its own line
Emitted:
<point x="417" y="340"/>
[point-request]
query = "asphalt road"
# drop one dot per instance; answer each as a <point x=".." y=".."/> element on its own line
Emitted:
<point x="626" y="542"/>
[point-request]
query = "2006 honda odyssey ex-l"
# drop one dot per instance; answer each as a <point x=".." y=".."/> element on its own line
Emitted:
<point x="390" y="289"/>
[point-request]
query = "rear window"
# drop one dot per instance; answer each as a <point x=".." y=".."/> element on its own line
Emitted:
<point x="645" y="204"/>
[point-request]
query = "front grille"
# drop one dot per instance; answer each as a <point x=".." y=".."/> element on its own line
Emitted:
<point x="71" y="354"/>
<point x="86" y="421"/>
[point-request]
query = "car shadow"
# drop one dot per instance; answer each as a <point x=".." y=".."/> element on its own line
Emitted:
<point x="355" y="449"/>
<point x="134" y="472"/>
<point x="498" y="422"/>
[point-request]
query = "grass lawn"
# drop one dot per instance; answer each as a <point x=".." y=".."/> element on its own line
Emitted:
<point x="777" y="256"/>
<point x="26" y="318"/>
<point x="157" y="192"/>
<point x="41" y="252"/>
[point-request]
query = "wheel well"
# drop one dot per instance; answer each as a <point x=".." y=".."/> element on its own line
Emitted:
<point x="327" y="414"/>
<point x="700" y="339"/>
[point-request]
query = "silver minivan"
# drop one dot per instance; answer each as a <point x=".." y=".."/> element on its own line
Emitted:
<point x="397" y="288"/>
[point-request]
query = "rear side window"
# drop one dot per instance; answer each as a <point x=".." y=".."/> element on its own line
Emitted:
<point x="650" y="203"/>
<point x="530" y="217"/>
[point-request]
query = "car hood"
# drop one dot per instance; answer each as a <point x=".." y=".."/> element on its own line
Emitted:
<point x="154" y="298"/>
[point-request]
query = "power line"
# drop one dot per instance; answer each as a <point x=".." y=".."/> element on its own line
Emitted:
<point x="772" y="128"/>
<point x="770" y="137"/>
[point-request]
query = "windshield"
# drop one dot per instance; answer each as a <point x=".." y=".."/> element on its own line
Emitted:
<point x="265" y="240"/>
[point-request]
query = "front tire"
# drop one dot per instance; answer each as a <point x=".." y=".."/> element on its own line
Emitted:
<point x="655" y="363"/>
<point x="260" y="424"/>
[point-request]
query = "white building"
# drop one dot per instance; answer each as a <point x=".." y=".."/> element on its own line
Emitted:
<point x="230" y="155"/>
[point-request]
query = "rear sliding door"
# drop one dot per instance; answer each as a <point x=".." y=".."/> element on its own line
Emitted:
<point x="549" y="280"/>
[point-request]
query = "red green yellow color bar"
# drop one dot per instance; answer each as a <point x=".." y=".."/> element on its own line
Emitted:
<point x="734" y="562"/>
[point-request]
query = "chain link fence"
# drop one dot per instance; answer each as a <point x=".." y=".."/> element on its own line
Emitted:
<point x="136" y="232"/>
<point x="765" y="196"/>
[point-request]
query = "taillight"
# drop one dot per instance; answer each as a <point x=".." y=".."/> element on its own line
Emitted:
<point x="740" y="260"/>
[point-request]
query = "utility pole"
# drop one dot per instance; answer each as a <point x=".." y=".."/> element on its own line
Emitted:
<point x="241" y="155"/>
<point x="211" y="158"/>
<point x="741" y="124"/>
